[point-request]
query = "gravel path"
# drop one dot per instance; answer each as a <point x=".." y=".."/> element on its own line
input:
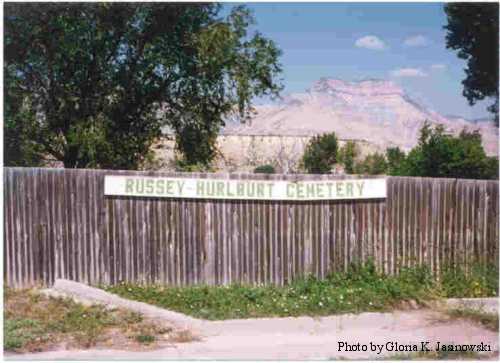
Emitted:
<point x="301" y="338"/>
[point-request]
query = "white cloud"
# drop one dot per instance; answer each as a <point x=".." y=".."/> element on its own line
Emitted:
<point x="438" y="67"/>
<point x="370" y="42"/>
<point x="408" y="72"/>
<point x="416" y="41"/>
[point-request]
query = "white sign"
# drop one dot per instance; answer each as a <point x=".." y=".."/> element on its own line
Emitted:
<point x="143" y="186"/>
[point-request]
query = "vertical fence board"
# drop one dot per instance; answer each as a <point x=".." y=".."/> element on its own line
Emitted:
<point x="58" y="224"/>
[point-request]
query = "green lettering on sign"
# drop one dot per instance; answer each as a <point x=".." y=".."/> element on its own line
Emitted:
<point x="244" y="189"/>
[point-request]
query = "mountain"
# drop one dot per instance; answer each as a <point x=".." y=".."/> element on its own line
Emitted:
<point x="376" y="111"/>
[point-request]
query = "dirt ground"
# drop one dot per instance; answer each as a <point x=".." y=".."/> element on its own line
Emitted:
<point x="307" y="338"/>
<point x="34" y="323"/>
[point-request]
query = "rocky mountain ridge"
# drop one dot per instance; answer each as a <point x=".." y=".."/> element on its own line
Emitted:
<point x="377" y="111"/>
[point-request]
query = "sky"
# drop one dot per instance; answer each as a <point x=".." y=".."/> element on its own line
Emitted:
<point x="402" y="42"/>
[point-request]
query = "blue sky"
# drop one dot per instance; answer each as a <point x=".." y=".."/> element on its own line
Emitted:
<point x="403" y="42"/>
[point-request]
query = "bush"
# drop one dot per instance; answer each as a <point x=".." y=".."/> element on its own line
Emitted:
<point x="320" y="154"/>
<point x="373" y="164"/>
<point x="491" y="167"/>
<point x="480" y="281"/>
<point x="441" y="155"/>
<point x="182" y="165"/>
<point x="395" y="160"/>
<point x="347" y="156"/>
<point x="265" y="169"/>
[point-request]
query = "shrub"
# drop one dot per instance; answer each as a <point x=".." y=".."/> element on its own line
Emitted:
<point x="480" y="281"/>
<point x="265" y="169"/>
<point x="183" y="166"/>
<point x="320" y="154"/>
<point x="347" y="156"/>
<point x="373" y="164"/>
<point x="395" y="160"/>
<point x="442" y="155"/>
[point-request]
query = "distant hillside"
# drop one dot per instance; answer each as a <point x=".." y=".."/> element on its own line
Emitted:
<point x="374" y="110"/>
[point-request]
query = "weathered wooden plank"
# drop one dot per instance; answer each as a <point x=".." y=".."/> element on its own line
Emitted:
<point x="58" y="223"/>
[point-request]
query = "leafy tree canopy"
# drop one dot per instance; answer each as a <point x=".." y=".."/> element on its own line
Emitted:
<point x="347" y="156"/>
<point x="92" y="84"/>
<point x="472" y="30"/>
<point x="320" y="154"/>
<point x="439" y="154"/>
<point x="395" y="158"/>
<point x="373" y="164"/>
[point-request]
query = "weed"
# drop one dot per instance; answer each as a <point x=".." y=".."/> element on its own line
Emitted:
<point x="360" y="288"/>
<point x="145" y="338"/>
<point x="34" y="323"/>
<point x="18" y="332"/>
<point x="184" y="336"/>
<point x="480" y="281"/>
<point x="132" y="317"/>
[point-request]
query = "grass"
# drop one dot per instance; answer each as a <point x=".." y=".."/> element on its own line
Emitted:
<point x="480" y="281"/>
<point x="359" y="289"/>
<point x="145" y="338"/>
<point x="33" y="322"/>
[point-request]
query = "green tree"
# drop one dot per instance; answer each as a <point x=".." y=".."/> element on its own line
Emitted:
<point x="320" y="154"/>
<point x="99" y="81"/>
<point x="347" y="156"/>
<point x="439" y="154"/>
<point x="20" y="146"/>
<point x="395" y="160"/>
<point x="472" y="30"/>
<point x="491" y="168"/>
<point x="373" y="164"/>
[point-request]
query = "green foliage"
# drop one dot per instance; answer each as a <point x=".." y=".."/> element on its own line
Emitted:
<point x="34" y="322"/>
<point x="20" y="146"/>
<point x="347" y="156"/>
<point x="30" y="327"/>
<point x="320" y="154"/>
<point x="472" y="30"/>
<point x="480" y="281"/>
<point x="182" y="165"/>
<point x="265" y="169"/>
<point x="373" y="164"/>
<point x="18" y="332"/>
<point x="442" y="155"/>
<point x="145" y="338"/>
<point x="361" y="288"/>
<point x="96" y="82"/>
<point x="491" y="167"/>
<point x="395" y="161"/>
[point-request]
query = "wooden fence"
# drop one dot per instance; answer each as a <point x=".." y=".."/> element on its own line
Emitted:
<point x="59" y="224"/>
